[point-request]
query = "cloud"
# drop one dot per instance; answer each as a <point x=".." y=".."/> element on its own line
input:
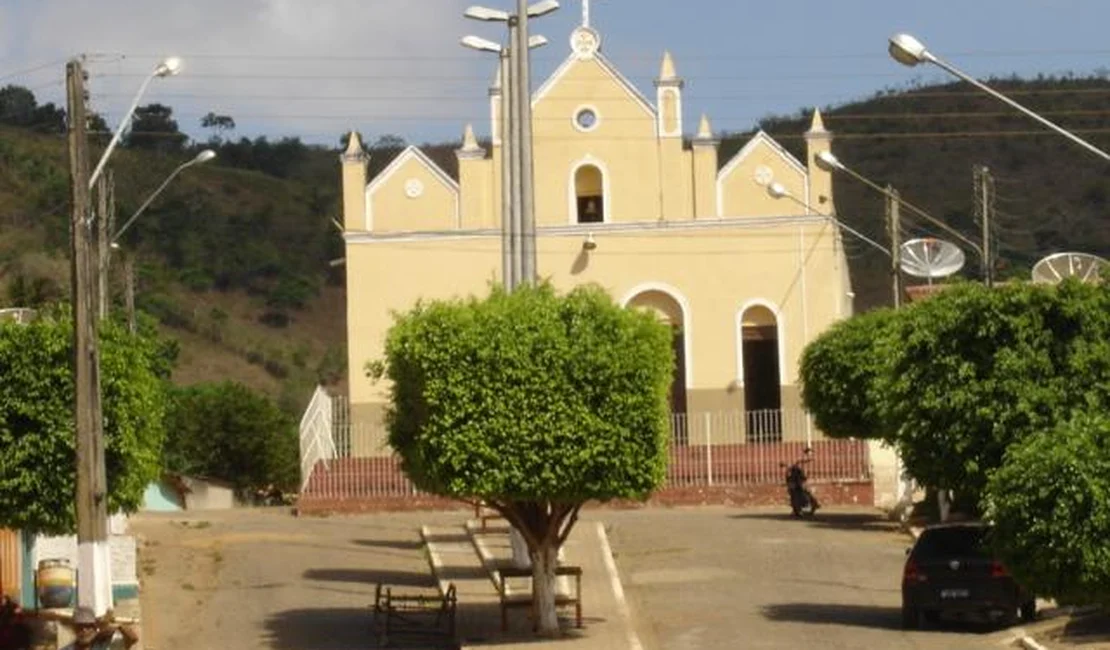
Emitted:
<point x="279" y="67"/>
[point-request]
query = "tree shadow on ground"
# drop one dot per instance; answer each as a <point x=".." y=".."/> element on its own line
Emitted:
<point x="832" y="520"/>
<point x="372" y="577"/>
<point x="335" y="629"/>
<point x="398" y="544"/>
<point x="872" y="616"/>
<point x="479" y="625"/>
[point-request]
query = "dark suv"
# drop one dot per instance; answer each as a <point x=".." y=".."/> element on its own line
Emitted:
<point x="949" y="570"/>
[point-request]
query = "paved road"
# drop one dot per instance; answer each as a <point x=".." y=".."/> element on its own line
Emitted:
<point x="718" y="578"/>
<point x="706" y="579"/>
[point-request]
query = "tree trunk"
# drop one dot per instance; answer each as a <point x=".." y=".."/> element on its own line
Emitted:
<point x="544" y="561"/>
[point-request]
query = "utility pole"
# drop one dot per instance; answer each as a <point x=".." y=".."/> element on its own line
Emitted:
<point x="984" y="187"/>
<point x="894" y="227"/>
<point x="129" y="289"/>
<point x="516" y="48"/>
<point x="94" y="582"/>
<point x="106" y="202"/>
<point x="523" y="90"/>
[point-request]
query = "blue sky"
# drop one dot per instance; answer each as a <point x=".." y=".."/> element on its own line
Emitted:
<point x="314" y="69"/>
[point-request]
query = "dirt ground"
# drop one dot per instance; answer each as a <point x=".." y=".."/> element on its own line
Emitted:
<point x="1090" y="632"/>
<point x="262" y="578"/>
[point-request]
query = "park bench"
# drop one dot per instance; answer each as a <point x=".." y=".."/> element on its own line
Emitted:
<point x="414" y="616"/>
<point x="514" y="598"/>
<point x="484" y="514"/>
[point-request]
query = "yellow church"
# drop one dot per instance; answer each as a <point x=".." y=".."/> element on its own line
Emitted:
<point x="625" y="201"/>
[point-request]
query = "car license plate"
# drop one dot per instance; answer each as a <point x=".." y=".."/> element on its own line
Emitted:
<point x="954" y="593"/>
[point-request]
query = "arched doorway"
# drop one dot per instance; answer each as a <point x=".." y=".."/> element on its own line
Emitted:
<point x="759" y="340"/>
<point x="589" y="194"/>
<point x="668" y="309"/>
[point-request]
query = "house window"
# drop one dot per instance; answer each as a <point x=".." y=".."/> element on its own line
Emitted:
<point x="589" y="194"/>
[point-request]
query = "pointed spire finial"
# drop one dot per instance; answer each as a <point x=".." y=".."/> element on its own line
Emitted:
<point x="585" y="13"/>
<point x="667" y="69"/>
<point x="354" y="143"/>
<point x="704" y="136"/>
<point x="470" y="147"/>
<point x="354" y="153"/>
<point x="705" y="132"/>
<point x="818" y="124"/>
<point x="469" y="141"/>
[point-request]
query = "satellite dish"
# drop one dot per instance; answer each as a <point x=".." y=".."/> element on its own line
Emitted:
<point x="1056" y="267"/>
<point x="931" y="258"/>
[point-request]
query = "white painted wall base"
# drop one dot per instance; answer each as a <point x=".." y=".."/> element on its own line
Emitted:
<point x="885" y="474"/>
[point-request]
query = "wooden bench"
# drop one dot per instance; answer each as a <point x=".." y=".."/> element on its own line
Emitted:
<point x="484" y="514"/>
<point x="416" y="616"/>
<point x="524" y="598"/>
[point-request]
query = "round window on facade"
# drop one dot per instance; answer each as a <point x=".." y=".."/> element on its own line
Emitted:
<point x="586" y="119"/>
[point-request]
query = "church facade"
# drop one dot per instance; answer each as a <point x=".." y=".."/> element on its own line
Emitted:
<point x="625" y="201"/>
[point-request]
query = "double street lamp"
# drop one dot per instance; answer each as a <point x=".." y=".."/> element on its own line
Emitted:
<point x="909" y="51"/>
<point x="94" y="588"/>
<point x="518" y="240"/>
<point x="779" y="191"/>
<point x="828" y="161"/>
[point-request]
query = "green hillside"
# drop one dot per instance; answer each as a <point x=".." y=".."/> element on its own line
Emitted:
<point x="234" y="258"/>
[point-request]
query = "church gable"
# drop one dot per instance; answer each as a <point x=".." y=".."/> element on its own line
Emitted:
<point x="412" y="194"/>
<point x="588" y="96"/>
<point x="742" y="182"/>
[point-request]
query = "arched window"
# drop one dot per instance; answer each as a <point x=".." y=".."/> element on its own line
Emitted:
<point x="589" y="193"/>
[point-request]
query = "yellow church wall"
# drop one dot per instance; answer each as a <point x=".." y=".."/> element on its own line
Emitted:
<point x="476" y="192"/>
<point x="677" y="166"/>
<point x="738" y="193"/>
<point x="713" y="272"/>
<point x="622" y="144"/>
<point x="392" y="207"/>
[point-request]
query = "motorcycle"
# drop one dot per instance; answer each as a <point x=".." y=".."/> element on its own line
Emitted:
<point x="802" y="500"/>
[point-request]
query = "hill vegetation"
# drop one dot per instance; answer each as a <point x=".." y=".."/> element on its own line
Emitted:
<point x="237" y="258"/>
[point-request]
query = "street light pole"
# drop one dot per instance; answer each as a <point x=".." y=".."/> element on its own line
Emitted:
<point x="518" y="237"/>
<point x="202" y="157"/>
<point x="516" y="163"/>
<point x="94" y="581"/>
<point x="909" y="51"/>
<point x="779" y="191"/>
<point x="94" y="587"/>
<point x="166" y="68"/>
<point x="507" y="255"/>
<point x="523" y="91"/>
<point x="827" y="160"/>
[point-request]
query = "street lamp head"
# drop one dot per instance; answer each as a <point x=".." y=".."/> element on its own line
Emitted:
<point x="204" y="156"/>
<point x="907" y="50"/>
<point x="485" y="13"/>
<point x="536" y="40"/>
<point x="542" y="8"/>
<point x="479" y="43"/>
<point x="828" y="161"/>
<point x="168" y="67"/>
<point x="777" y="191"/>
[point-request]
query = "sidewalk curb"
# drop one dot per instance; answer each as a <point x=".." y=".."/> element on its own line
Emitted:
<point x="1029" y="643"/>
